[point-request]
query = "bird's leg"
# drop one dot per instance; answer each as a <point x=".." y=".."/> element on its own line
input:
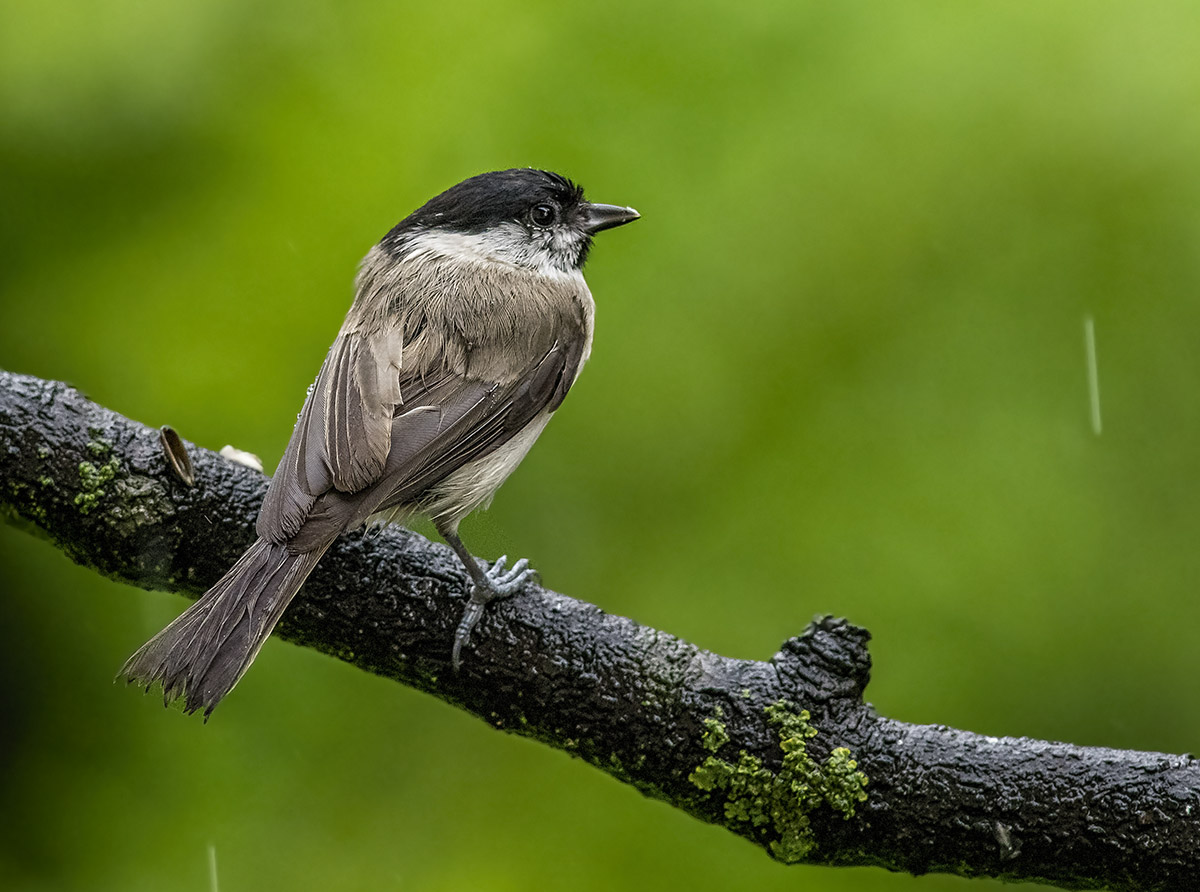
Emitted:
<point x="487" y="586"/>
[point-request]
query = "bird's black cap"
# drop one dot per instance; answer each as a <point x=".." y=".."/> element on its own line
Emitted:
<point x="536" y="199"/>
<point x="490" y="198"/>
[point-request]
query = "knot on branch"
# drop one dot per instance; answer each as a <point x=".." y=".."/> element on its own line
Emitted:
<point x="829" y="658"/>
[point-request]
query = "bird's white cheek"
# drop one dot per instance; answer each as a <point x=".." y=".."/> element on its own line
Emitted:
<point x="549" y="253"/>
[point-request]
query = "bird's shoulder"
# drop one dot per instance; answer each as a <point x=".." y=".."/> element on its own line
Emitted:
<point x="483" y="320"/>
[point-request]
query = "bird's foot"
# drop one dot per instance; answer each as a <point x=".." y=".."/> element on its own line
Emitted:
<point x="498" y="584"/>
<point x="504" y="584"/>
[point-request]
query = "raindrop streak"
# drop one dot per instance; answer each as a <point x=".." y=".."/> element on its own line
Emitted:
<point x="212" y="867"/>
<point x="1089" y="337"/>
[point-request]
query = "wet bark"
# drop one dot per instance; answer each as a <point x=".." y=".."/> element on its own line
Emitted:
<point x="699" y="730"/>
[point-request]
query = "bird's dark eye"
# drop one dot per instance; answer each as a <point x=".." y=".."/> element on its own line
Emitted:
<point x="543" y="214"/>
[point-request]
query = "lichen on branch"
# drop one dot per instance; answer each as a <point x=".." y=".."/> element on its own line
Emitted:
<point x="780" y="802"/>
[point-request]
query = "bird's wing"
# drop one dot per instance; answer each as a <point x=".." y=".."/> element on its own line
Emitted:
<point x="373" y="431"/>
<point x="446" y="421"/>
<point x="343" y="434"/>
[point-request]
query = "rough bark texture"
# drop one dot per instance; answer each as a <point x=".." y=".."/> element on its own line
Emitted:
<point x="722" y="739"/>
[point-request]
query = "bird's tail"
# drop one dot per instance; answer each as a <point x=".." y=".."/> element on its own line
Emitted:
<point x="208" y="648"/>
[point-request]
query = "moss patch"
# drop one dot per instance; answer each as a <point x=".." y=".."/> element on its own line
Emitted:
<point x="781" y="802"/>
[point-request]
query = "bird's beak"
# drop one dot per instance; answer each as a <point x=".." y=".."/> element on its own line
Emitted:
<point x="605" y="216"/>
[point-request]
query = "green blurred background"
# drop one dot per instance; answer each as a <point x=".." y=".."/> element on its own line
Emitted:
<point x="839" y="367"/>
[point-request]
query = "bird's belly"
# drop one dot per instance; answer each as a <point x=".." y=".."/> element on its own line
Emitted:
<point x="474" y="484"/>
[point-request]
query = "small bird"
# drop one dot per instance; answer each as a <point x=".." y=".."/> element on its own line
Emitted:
<point x="470" y="322"/>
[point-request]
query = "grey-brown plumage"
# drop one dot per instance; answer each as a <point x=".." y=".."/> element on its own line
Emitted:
<point x="471" y="321"/>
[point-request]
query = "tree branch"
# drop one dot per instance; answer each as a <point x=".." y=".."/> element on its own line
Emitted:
<point x="783" y="752"/>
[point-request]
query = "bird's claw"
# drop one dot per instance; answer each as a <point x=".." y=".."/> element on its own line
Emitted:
<point x="500" y="584"/>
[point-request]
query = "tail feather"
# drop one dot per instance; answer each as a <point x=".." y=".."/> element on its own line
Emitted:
<point x="206" y="650"/>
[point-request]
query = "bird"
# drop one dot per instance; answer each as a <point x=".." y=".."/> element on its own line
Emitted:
<point x="470" y="322"/>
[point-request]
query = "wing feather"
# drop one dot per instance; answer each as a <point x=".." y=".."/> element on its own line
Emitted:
<point x="343" y="434"/>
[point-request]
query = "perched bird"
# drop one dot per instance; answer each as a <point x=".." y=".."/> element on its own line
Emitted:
<point x="470" y="322"/>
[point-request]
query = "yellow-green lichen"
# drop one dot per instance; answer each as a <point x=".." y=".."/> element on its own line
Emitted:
<point x="31" y="509"/>
<point x="92" y="478"/>
<point x="715" y="736"/>
<point x="781" y="801"/>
